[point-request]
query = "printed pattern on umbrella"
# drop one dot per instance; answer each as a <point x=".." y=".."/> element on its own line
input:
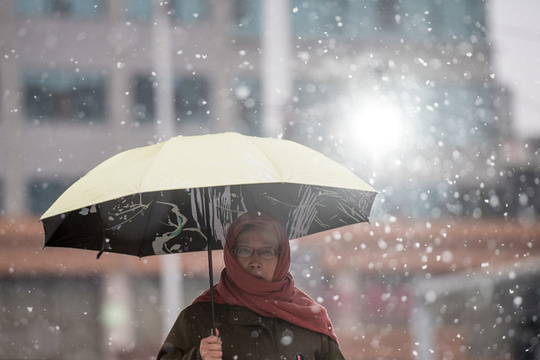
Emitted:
<point x="185" y="220"/>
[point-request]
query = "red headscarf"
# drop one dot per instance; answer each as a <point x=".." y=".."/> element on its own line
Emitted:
<point x="278" y="298"/>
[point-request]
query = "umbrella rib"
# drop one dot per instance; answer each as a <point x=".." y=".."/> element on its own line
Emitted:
<point x="104" y="237"/>
<point x="149" y="206"/>
<point x="274" y="167"/>
<point x="151" y="163"/>
<point x="142" y="208"/>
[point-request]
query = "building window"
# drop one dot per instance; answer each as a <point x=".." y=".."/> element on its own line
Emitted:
<point x="247" y="94"/>
<point x="416" y="18"/>
<point x="464" y="20"/>
<point x="72" y="8"/>
<point x="452" y="20"/>
<point x="191" y="99"/>
<point x="387" y="10"/>
<point x="359" y="18"/>
<point x="467" y="112"/>
<point x="313" y="113"/>
<point x="318" y="17"/>
<point x="144" y="107"/>
<point x="458" y="20"/>
<point x="139" y="10"/>
<point x="248" y="17"/>
<point x="181" y="10"/>
<point x="348" y="18"/>
<point x="313" y="101"/>
<point x="64" y="96"/>
<point x="41" y="194"/>
<point x="189" y="10"/>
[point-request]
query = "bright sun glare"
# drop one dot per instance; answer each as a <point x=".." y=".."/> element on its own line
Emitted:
<point x="377" y="126"/>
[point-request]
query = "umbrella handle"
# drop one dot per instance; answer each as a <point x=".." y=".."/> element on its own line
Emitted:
<point x="211" y="277"/>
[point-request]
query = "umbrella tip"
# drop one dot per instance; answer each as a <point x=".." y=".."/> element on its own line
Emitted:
<point x="104" y="247"/>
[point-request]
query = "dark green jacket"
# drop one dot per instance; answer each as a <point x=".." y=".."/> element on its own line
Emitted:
<point x="245" y="335"/>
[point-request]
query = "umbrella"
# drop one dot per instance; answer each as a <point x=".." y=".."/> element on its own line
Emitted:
<point x="182" y="194"/>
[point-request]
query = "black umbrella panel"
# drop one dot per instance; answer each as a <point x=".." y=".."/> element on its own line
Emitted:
<point x="184" y="220"/>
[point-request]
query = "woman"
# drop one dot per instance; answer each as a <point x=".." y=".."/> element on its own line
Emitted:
<point x="259" y="313"/>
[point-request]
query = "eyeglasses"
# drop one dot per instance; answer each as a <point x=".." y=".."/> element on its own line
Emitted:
<point x="264" y="253"/>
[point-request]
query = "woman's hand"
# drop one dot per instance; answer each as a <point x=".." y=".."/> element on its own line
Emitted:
<point x="210" y="347"/>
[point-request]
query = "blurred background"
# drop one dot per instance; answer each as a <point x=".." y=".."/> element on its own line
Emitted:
<point x="433" y="102"/>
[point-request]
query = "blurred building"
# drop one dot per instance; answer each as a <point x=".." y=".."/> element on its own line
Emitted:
<point x="401" y="91"/>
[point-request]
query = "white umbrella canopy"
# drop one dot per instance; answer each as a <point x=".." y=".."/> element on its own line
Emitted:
<point x="180" y="195"/>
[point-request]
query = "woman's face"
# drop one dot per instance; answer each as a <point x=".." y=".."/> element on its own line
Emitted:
<point x="258" y="238"/>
